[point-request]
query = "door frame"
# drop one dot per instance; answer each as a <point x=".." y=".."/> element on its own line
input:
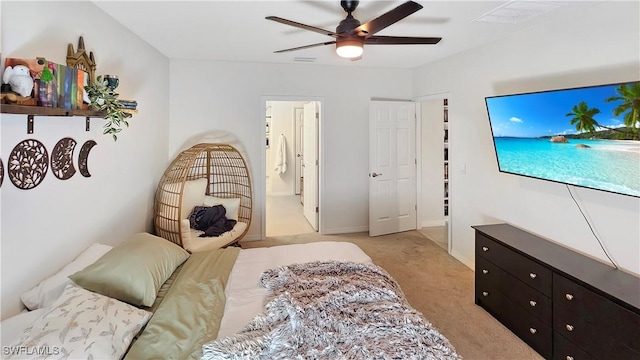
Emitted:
<point x="420" y="211"/>
<point x="261" y="182"/>
<point x="297" y="141"/>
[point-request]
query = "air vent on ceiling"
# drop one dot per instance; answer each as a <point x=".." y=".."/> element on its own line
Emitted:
<point x="304" y="59"/>
<point x="517" y="11"/>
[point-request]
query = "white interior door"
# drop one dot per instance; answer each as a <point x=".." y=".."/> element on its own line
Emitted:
<point x="310" y="161"/>
<point x="392" y="167"/>
<point x="299" y="137"/>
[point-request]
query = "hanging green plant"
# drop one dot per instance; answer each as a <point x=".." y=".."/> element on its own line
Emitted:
<point x="104" y="98"/>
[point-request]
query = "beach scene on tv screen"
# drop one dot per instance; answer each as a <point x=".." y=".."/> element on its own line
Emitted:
<point x="588" y="136"/>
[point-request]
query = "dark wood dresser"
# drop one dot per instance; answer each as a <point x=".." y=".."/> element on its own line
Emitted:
<point x="563" y="304"/>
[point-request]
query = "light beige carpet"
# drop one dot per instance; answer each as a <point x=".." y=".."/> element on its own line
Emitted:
<point x="436" y="284"/>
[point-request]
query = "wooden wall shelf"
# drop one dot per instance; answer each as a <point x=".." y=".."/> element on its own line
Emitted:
<point x="32" y="111"/>
<point x="48" y="111"/>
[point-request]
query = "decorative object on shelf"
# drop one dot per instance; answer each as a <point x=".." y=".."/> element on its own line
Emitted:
<point x="83" y="158"/>
<point x="19" y="77"/>
<point x="131" y="105"/>
<point x="104" y="99"/>
<point x="1" y="172"/>
<point x="72" y="84"/>
<point x="28" y="164"/>
<point x="47" y="86"/>
<point x="54" y="85"/>
<point x="35" y="71"/>
<point x="12" y="98"/>
<point x="81" y="59"/>
<point x="111" y="81"/>
<point x="62" y="159"/>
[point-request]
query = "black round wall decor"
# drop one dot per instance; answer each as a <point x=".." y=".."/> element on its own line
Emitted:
<point x="62" y="159"/>
<point x="1" y="172"/>
<point x="28" y="164"/>
<point x="83" y="158"/>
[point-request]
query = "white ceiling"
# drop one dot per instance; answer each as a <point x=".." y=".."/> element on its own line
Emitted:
<point x="238" y="31"/>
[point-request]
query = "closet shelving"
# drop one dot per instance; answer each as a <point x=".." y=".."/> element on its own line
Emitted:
<point x="446" y="155"/>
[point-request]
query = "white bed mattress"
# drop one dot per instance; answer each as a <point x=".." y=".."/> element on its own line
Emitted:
<point x="245" y="297"/>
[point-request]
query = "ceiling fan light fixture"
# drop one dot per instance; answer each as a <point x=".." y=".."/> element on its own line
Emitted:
<point x="349" y="48"/>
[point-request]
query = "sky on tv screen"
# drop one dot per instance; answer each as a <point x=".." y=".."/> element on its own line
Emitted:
<point x="545" y="113"/>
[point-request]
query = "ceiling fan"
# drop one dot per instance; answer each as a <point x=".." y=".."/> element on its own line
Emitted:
<point x="351" y="36"/>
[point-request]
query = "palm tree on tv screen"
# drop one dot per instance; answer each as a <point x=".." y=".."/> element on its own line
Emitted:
<point x="629" y="95"/>
<point x="630" y="107"/>
<point x="583" y="117"/>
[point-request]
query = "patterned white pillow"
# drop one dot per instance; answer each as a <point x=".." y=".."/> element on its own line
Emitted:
<point x="46" y="292"/>
<point x="80" y="325"/>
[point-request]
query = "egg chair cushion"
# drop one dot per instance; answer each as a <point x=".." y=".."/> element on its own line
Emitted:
<point x="232" y="205"/>
<point x="192" y="241"/>
<point x="192" y="194"/>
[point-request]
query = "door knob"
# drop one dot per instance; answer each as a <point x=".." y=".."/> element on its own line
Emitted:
<point x="375" y="175"/>
<point x="299" y="155"/>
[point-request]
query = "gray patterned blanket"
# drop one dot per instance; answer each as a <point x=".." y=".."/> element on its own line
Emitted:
<point x="333" y="310"/>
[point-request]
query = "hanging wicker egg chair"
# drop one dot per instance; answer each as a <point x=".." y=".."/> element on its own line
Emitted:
<point x="203" y="175"/>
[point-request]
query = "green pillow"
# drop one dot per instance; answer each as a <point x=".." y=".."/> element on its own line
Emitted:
<point x="134" y="270"/>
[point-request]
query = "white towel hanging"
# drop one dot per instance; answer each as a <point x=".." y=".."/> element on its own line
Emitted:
<point x="281" y="155"/>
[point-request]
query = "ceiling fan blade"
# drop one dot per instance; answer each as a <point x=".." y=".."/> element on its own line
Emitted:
<point x="400" y="40"/>
<point x="305" y="47"/>
<point x="387" y="18"/>
<point x="301" y="26"/>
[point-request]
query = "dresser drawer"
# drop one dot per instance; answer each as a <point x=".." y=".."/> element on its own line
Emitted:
<point x="577" y="303"/>
<point x="527" y="327"/>
<point x="595" y="340"/>
<point x="523" y="268"/>
<point x="563" y="349"/>
<point x="529" y="299"/>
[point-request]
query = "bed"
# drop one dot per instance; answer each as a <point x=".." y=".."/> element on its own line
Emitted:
<point x="323" y="300"/>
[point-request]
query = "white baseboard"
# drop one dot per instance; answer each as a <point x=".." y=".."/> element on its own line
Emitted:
<point x="251" y="238"/>
<point x="431" y="223"/>
<point x="467" y="262"/>
<point x="346" y="230"/>
<point x="283" y="193"/>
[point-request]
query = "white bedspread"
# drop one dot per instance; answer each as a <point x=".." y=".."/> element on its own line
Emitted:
<point x="245" y="298"/>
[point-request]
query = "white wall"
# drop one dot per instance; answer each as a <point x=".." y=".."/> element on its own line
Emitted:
<point x="223" y="100"/>
<point x="598" y="44"/>
<point x="46" y="227"/>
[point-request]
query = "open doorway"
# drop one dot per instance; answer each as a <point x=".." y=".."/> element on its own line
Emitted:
<point x="291" y="167"/>
<point x="435" y="220"/>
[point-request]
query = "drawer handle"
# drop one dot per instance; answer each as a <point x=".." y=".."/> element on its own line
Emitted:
<point x="533" y="303"/>
<point x="569" y="297"/>
<point x="569" y="327"/>
<point x="533" y="275"/>
<point x="569" y="357"/>
<point x="485" y="294"/>
<point x="532" y="330"/>
<point x="485" y="249"/>
<point x="485" y="271"/>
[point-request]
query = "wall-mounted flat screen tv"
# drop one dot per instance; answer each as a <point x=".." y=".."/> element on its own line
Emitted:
<point x="588" y="136"/>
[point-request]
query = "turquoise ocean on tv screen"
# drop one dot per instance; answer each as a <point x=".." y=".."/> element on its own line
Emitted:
<point x="610" y="165"/>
